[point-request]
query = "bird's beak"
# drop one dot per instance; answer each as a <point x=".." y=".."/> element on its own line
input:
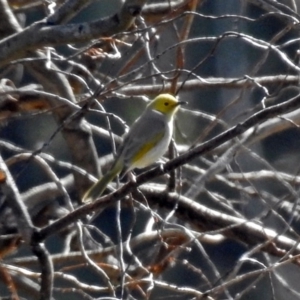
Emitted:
<point x="181" y="103"/>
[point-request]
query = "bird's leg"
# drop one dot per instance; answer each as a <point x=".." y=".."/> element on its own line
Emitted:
<point x="132" y="177"/>
<point x="160" y="164"/>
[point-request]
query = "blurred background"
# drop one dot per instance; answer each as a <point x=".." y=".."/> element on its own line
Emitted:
<point x="228" y="60"/>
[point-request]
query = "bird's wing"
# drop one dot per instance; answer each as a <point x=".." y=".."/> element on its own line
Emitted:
<point x="148" y="128"/>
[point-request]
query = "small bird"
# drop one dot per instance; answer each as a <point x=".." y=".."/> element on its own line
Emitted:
<point x="147" y="141"/>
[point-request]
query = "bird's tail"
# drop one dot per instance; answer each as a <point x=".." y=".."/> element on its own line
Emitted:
<point x="98" y="188"/>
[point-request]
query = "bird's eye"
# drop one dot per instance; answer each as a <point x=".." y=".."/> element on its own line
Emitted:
<point x="166" y="103"/>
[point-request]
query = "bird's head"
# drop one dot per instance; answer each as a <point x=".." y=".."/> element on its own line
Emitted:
<point x="165" y="104"/>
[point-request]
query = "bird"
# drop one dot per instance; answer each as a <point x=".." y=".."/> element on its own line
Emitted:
<point x="146" y="142"/>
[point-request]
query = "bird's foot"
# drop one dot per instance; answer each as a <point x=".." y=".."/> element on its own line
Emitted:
<point x="132" y="177"/>
<point x="160" y="165"/>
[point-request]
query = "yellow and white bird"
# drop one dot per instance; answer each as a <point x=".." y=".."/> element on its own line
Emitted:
<point x="146" y="142"/>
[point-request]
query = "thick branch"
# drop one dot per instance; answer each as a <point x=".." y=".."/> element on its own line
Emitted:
<point x="40" y="35"/>
<point x="211" y="82"/>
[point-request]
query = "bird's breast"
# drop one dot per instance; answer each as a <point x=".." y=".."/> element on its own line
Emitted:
<point x="153" y="150"/>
